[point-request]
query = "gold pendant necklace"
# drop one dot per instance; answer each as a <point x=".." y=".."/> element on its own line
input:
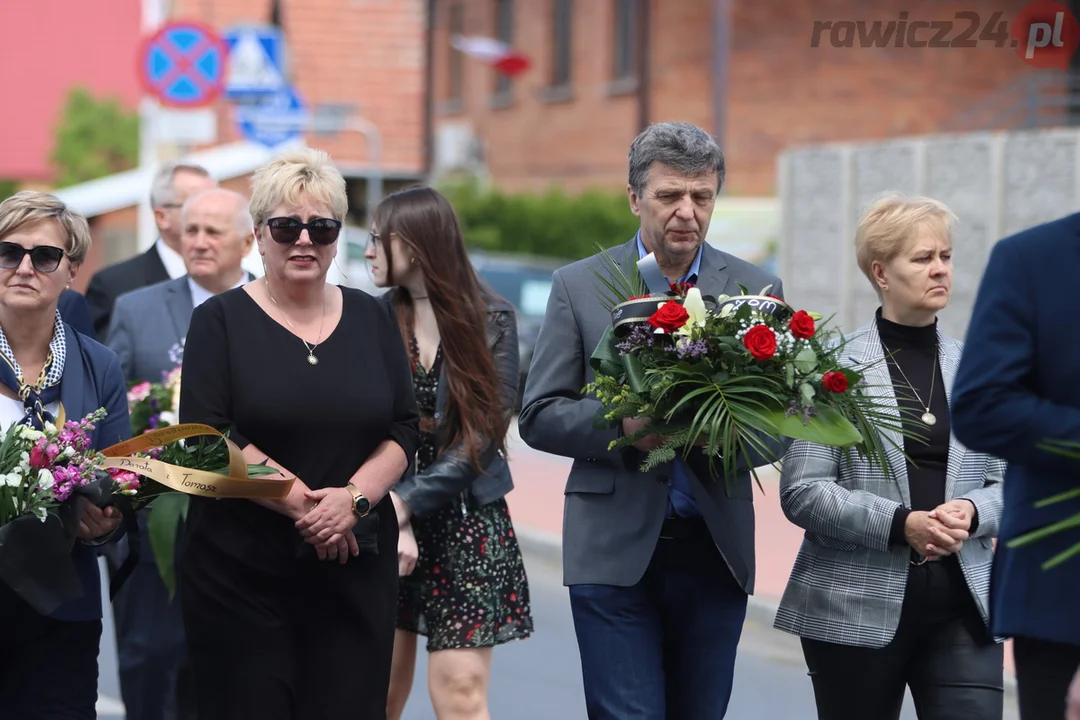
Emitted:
<point x="311" y="358"/>
<point x="927" y="417"/>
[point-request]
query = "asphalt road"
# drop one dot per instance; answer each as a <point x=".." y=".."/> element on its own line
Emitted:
<point x="540" y="678"/>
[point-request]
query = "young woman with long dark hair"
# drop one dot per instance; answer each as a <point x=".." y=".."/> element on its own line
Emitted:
<point x="463" y="580"/>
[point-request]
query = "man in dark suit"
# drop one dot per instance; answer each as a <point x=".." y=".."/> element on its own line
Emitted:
<point x="173" y="184"/>
<point x="659" y="564"/>
<point x="1015" y="388"/>
<point x="147" y="332"/>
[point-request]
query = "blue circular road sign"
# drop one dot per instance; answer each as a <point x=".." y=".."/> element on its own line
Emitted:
<point x="183" y="64"/>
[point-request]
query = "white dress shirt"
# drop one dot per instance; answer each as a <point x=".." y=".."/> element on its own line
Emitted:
<point x="12" y="411"/>
<point x="172" y="260"/>
<point x="199" y="294"/>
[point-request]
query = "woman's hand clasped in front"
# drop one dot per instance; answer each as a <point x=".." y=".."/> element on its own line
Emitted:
<point x="328" y="525"/>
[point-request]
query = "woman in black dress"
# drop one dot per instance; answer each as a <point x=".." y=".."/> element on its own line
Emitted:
<point x="289" y="605"/>
<point x="464" y="583"/>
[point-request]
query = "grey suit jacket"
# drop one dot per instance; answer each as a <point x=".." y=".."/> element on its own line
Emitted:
<point x="148" y="327"/>
<point x="848" y="582"/>
<point x="612" y="512"/>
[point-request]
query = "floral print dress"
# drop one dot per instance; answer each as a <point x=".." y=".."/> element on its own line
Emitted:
<point x="469" y="587"/>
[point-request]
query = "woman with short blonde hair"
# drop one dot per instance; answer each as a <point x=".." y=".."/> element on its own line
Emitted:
<point x="289" y="605"/>
<point x="890" y="587"/>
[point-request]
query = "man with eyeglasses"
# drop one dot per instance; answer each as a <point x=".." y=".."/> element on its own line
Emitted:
<point x="173" y="184"/>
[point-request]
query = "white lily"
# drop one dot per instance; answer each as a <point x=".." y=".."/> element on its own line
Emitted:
<point x="694" y="305"/>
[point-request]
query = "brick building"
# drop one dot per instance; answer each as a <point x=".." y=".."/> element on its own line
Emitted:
<point x="742" y="69"/>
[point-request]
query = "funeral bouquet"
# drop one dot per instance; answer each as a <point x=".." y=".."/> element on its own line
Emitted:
<point x="728" y="374"/>
<point x="40" y="469"/>
<point x="46" y="478"/>
<point x="147" y="474"/>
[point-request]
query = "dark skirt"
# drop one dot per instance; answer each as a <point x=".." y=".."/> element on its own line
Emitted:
<point x="469" y="587"/>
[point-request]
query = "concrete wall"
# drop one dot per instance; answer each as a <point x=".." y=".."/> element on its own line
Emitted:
<point x="996" y="183"/>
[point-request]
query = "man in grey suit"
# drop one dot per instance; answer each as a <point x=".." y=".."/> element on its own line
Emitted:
<point x="147" y="332"/>
<point x="659" y="564"/>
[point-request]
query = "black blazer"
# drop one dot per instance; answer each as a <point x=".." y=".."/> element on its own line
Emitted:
<point x="111" y="282"/>
<point x="451" y="474"/>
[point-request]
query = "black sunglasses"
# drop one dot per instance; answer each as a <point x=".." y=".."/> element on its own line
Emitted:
<point x="45" y="258"/>
<point x="286" y="230"/>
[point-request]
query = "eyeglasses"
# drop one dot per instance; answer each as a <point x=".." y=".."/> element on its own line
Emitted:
<point x="286" y="230"/>
<point x="45" y="258"/>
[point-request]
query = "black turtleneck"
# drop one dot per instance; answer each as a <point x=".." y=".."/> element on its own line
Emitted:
<point x="912" y="359"/>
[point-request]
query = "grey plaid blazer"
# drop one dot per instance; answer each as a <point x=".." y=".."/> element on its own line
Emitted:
<point x="848" y="583"/>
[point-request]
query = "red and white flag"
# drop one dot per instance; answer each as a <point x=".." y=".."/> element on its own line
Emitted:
<point x="493" y="52"/>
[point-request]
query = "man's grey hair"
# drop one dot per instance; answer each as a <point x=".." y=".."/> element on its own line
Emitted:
<point x="162" y="191"/>
<point x="242" y="220"/>
<point x="682" y="146"/>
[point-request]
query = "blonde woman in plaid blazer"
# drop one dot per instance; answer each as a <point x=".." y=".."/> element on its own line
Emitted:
<point x="890" y="586"/>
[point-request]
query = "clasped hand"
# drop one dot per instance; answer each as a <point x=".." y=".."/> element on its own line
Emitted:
<point x="328" y="524"/>
<point x="942" y="531"/>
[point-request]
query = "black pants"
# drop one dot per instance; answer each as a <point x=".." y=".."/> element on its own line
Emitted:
<point x="48" y="668"/>
<point x="1044" y="671"/>
<point x="941" y="650"/>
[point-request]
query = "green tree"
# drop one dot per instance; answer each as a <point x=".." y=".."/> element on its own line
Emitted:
<point x="94" y="138"/>
<point x="7" y="189"/>
<point x="553" y="223"/>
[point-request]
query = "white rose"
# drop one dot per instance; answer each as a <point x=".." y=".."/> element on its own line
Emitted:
<point x="67" y="453"/>
<point x="45" y="479"/>
<point x="167" y="417"/>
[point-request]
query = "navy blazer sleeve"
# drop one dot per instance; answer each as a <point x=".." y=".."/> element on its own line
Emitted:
<point x="995" y="408"/>
<point x="116" y="427"/>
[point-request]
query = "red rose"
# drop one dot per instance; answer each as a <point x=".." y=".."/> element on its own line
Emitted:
<point x="760" y="340"/>
<point x="681" y="288"/>
<point x="670" y="317"/>
<point x="802" y="325"/>
<point x="834" y="382"/>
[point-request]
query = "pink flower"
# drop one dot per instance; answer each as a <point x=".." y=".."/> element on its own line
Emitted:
<point x="125" y="479"/>
<point x="138" y="393"/>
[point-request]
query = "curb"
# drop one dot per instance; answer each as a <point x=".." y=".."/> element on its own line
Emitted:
<point x="547" y="547"/>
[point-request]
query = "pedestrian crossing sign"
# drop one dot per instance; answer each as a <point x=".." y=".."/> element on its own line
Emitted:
<point x="256" y="65"/>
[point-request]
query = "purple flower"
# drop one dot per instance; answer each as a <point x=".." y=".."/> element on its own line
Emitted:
<point x="690" y="349"/>
<point x="640" y="336"/>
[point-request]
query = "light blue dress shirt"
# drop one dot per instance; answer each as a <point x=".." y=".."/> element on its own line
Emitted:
<point x="680" y="493"/>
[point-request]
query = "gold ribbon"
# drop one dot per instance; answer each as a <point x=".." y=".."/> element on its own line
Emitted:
<point x="236" y="484"/>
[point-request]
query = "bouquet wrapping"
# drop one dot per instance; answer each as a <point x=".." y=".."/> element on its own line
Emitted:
<point x="48" y="476"/>
<point x="730" y="375"/>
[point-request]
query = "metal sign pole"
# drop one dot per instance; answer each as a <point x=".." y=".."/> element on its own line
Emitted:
<point x="153" y="14"/>
<point x="375" y="178"/>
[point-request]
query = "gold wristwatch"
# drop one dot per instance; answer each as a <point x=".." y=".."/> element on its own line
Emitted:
<point x="361" y="505"/>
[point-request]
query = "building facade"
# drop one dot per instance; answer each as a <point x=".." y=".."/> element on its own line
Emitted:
<point x="748" y="71"/>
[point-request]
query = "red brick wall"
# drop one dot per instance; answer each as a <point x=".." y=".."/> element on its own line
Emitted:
<point x="537" y="141"/>
<point x="781" y="92"/>
<point x="366" y="52"/>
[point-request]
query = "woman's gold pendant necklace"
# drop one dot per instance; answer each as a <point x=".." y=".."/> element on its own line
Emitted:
<point x="927" y="417"/>
<point x="311" y="358"/>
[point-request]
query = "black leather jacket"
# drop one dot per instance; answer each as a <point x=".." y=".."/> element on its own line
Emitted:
<point x="452" y="477"/>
